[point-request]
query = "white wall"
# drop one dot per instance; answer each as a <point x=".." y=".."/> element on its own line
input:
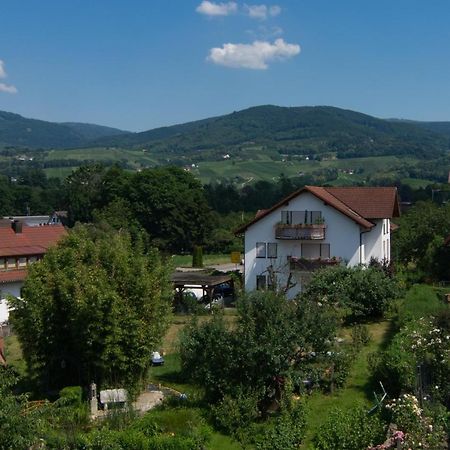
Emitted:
<point x="376" y="243"/>
<point x="5" y="290"/>
<point x="342" y="233"/>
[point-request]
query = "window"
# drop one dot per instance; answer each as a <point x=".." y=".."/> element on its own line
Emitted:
<point x="2" y="263"/>
<point x="261" y="282"/>
<point x="301" y="217"/>
<point x="12" y="263"/>
<point x="272" y="249"/>
<point x="315" y="251"/>
<point x="22" y="261"/>
<point x="260" y="249"/>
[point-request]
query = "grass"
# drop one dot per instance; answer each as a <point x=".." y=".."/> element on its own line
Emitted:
<point x="208" y="260"/>
<point x="357" y="390"/>
<point x="420" y="301"/>
<point x="13" y="354"/>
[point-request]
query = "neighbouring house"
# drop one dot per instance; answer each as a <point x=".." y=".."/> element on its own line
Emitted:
<point x="20" y="246"/>
<point x="56" y="217"/>
<point x="316" y="227"/>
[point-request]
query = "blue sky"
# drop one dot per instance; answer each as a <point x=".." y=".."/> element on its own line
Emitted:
<point x="139" y="64"/>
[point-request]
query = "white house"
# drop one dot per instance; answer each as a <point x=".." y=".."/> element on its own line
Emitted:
<point x="315" y="227"/>
<point x="20" y="246"/>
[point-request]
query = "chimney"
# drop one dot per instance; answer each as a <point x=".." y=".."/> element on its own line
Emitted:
<point x="17" y="226"/>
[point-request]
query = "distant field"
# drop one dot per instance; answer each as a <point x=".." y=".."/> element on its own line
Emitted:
<point x="136" y="158"/>
<point x="267" y="169"/>
<point x="261" y="167"/>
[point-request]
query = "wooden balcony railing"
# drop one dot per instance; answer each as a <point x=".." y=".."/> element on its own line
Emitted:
<point x="309" y="265"/>
<point x="300" y="232"/>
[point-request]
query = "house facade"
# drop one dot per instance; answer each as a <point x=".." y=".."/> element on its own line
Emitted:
<point x="316" y="227"/>
<point x="20" y="246"/>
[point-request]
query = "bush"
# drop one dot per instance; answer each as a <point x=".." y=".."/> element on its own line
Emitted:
<point x="284" y="432"/>
<point x="360" y="336"/>
<point x="420" y="430"/>
<point x="419" y="344"/>
<point x="360" y="293"/>
<point x="234" y="415"/>
<point x="350" y="430"/>
<point x="71" y="395"/>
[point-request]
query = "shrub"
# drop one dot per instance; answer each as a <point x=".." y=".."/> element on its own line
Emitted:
<point x="360" y="293"/>
<point x="360" y="336"/>
<point x="419" y="344"/>
<point x="284" y="432"/>
<point x="349" y="430"/>
<point x="71" y="395"/>
<point x="420" y="430"/>
<point x="234" y="415"/>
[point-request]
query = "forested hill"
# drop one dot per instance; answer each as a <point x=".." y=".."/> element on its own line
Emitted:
<point x="296" y="130"/>
<point x="18" y="131"/>
<point x="262" y="129"/>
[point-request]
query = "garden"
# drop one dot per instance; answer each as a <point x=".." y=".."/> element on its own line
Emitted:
<point x="359" y="361"/>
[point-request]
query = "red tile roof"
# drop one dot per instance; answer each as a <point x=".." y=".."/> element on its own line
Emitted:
<point x="369" y="202"/>
<point x="361" y="204"/>
<point x="31" y="241"/>
<point x="12" y="275"/>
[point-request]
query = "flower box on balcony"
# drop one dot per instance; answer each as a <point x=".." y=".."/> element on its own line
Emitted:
<point x="300" y="231"/>
<point x="308" y="265"/>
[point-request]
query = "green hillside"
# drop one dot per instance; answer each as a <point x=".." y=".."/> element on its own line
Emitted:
<point x="18" y="131"/>
<point x="290" y="131"/>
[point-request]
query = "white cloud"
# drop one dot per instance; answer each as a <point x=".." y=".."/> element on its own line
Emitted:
<point x="10" y="89"/>
<point x="252" y="56"/>
<point x="216" y="9"/>
<point x="261" y="12"/>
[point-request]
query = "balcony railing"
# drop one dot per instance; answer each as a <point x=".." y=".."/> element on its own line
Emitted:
<point x="300" y="231"/>
<point x="309" y="265"/>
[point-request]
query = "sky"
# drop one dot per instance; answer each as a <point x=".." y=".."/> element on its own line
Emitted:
<point x="141" y="64"/>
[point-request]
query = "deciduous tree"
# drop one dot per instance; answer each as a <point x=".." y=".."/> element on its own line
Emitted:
<point x="93" y="309"/>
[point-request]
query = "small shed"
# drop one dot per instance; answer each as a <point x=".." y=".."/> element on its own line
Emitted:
<point x="188" y="280"/>
<point x="113" y="397"/>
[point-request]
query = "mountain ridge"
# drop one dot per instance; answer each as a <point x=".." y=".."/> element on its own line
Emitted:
<point x="22" y="132"/>
<point x="296" y="130"/>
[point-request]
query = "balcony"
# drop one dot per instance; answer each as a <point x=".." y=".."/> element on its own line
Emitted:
<point x="309" y="265"/>
<point x="310" y="232"/>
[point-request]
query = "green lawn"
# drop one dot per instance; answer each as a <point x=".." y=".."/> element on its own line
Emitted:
<point x="357" y="390"/>
<point x="186" y="260"/>
<point x="13" y="354"/>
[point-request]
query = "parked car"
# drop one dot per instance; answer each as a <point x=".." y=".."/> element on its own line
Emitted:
<point x="224" y="290"/>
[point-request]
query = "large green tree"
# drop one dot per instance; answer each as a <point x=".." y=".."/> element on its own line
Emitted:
<point x="171" y="206"/>
<point x="260" y="351"/>
<point x="93" y="309"/>
<point x="420" y="239"/>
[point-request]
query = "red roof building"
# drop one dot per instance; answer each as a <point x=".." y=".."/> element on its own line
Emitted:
<point x="20" y="246"/>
